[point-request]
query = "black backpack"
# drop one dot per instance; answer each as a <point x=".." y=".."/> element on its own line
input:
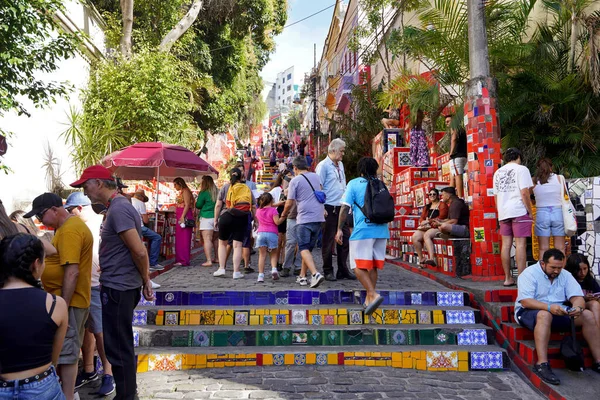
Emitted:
<point x="379" y="203"/>
<point x="570" y="349"/>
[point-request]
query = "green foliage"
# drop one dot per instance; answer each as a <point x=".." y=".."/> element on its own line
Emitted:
<point x="293" y="121"/>
<point x="30" y="43"/>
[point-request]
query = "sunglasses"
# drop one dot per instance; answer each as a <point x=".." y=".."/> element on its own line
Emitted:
<point x="432" y="194"/>
<point x="70" y="209"/>
<point x="40" y="215"/>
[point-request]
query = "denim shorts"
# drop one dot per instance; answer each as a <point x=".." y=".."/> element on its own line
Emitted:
<point x="307" y="235"/>
<point x="549" y="222"/>
<point x="94" y="321"/>
<point x="45" y="389"/>
<point x="269" y="240"/>
<point x="528" y="318"/>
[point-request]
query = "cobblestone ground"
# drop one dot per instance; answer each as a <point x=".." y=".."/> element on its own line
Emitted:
<point x="328" y="382"/>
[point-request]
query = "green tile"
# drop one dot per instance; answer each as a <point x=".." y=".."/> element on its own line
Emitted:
<point x="266" y="338"/>
<point x="426" y="337"/>
<point x="398" y="337"/>
<point x="443" y="337"/>
<point x="315" y="338"/>
<point x="283" y="338"/>
<point x="352" y="337"/>
<point x="180" y="339"/>
<point x="219" y="339"/>
<point x="382" y="336"/>
<point x="368" y="337"/>
<point x="236" y="338"/>
<point x="332" y="338"/>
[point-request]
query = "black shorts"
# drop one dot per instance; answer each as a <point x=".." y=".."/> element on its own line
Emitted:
<point x="232" y="228"/>
<point x="528" y="319"/>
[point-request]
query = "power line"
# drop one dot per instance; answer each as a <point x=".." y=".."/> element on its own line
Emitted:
<point x="287" y="26"/>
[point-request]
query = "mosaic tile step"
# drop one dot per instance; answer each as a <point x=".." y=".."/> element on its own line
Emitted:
<point x="514" y="332"/>
<point x="422" y="315"/>
<point x="315" y="336"/>
<point x="305" y="297"/>
<point x="490" y="358"/>
<point x="526" y="349"/>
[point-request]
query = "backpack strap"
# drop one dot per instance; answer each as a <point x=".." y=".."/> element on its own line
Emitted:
<point x="311" y="186"/>
<point x="52" y="306"/>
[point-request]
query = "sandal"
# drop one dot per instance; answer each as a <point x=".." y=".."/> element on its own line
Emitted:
<point x="431" y="263"/>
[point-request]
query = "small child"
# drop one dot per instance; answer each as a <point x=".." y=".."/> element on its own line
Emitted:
<point x="267" y="240"/>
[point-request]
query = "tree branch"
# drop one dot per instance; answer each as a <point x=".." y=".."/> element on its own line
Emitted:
<point x="181" y="27"/>
<point x="127" y="12"/>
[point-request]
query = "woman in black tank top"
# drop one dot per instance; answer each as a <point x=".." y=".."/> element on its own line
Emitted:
<point x="32" y="323"/>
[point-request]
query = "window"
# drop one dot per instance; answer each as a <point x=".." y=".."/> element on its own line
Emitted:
<point x="283" y="80"/>
<point x="289" y="99"/>
<point x="283" y="91"/>
<point x="278" y="86"/>
<point x="289" y="88"/>
<point x="283" y="101"/>
<point x="289" y="77"/>
<point x="278" y="97"/>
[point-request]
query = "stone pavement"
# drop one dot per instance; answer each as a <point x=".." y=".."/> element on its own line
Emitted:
<point x="327" y="382"/>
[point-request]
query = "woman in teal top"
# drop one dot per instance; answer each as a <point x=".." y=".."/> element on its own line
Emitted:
<point x="207" y="198"/>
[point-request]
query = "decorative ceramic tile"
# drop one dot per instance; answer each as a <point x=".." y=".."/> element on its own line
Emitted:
<point x="241" y="318"/>
<point x="316" y="319"/>
<point x="460" y="317"/>
<point x="266" y="338"/>
<point x="445" y="299"/>
<point x="139" y="317"/>
<point x="299" y="338"/>
<point x="236" y="338"/>
<point x="285" y="338"/>
<point x="299" y="317"/>
<point x="268" y="320"/>
<point x="415" y="298"/>
<point x="321" y="359"/>
<point x="165" y="362"/>
<point x="144" y="302"/>
<point x="390" y="315"/>
<point x="207" y="317"/>
<point x="171" y="317"/>
<point x="299" y="359"/>
<point x="443" y="338"/>
<point x="442" y="359"/>
<point x="278" y="359"/>
<point x="486" y="360"/>
<point x="315" y="301"/>
<point x="136" y="338"/>
<point x="200" y="339"/>
<point x="471" y="337"/>
<point x="398" y="338"/>
<point x="281" y="319"/>
<point x="424" y="317"/>
<point x="355" y="317"/>
<point x="329" y="320"/>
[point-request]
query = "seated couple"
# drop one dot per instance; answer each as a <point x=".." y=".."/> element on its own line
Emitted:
<point x="549" y="296"/>
<point x="449" y="216"/>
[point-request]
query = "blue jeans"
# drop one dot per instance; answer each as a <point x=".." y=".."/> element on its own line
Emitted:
<point x="306" y="234"/>
<point x="154" y="240"/>
<point x="549" y="222"/>
<point x="292" y="259"/>
<point x="46" y="389"/>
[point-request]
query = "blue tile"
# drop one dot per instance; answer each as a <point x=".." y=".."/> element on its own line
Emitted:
<point x="486" y="360"/>
<point x="195" y="299"/>
<point x="392" y="298"/>
<point x="347" y="296"/>
<point x="221" y="301"/>
<point x="185" y="298"/>
<point x="385" y="295"/>
<point x="323" y="299"/>
<point x="172" y="299"/>
<point x="428" y="298"/>
<point x="307" y="298"/>
<point x="295" y="300"/>
<point x="160" y="298"/>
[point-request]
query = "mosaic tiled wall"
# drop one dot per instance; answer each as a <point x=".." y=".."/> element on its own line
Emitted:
<point x="419" y="360"/>
<point x="585" y="195"/>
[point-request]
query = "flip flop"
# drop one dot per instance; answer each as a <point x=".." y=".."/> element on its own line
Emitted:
<point x="373" y="305"/>
<point x="511" y="285"/>
<point x="430" y="262"/>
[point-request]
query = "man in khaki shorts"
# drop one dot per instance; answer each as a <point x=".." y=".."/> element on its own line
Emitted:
<point x="68" y="274"/>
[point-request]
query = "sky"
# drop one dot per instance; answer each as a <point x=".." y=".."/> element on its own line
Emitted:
<point x="294" y="46"/>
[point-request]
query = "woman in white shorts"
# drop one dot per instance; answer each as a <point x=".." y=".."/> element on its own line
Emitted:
<point x="207" y="198"/>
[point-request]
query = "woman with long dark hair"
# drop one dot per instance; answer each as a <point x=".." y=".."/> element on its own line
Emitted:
<point x="579" y="266"/>
<point x="207" y="198"/>
<point x="33" y="323"/>
<point x="548" y="201"/>
<point x="183" y="233"/>
<point x="435" y="209"/>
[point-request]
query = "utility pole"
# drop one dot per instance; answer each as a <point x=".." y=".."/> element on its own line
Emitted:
<point x="483" y="150"/>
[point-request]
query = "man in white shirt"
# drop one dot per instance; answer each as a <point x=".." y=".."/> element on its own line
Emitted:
<point x="512" y="191"/>
<point x="154" y="239"/>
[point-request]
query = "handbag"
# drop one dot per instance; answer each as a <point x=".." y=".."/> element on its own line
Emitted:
<point x="568" y="211"/>
<point x="320" y="195"/>
<point x="190" y="223"/>
<point x="570" y="350"/>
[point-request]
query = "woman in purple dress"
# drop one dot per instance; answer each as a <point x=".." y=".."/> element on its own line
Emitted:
<point x="183" y="212"/>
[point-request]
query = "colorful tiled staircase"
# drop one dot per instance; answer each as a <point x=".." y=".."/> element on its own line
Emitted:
<point x="435" y="331"/>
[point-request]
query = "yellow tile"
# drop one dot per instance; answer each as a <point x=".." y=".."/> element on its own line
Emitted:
<point x="463" y="356"/>
<point x="218" y="319"/>
<point x="359" y="354"/>
<point x="219" y="312"/>
<point x="254" y="320"/>
<point x="370" y="363"/>
<point x="422" y="365"/>
<point x="396" y="357"/>
<point x="350" y="362"/>
<point x="219" y="364"/>
<point x="407" y="363"/>
<point x="386" y="354"/>
<point x="415" y="354"/>
<point x="210" y="364"/>
<point x="288" y="359"/>
<point x="250" y="363"/>
<point x="359" y="362"/>
<point x="189" y="359"/>
<point x="211" y="357"/>
<point x="274" y="312"/>
<point x="311" y="358"/>
<point x="342" y="319"/>
<point x="160" y="320"/>
<point x="388" y="363"/>
<point x="200" y="360"/>
<point x="332" y="359"/>
<point x="313" y="312"/>
<point x="323" y="311"/>
<point x="142" y="365"/>
<point x="194" y="319"/>
<point x="349" y="354"/>
<point x="396" y="364"/>
<point x="267" y="359"/>
<point x="240" y="363"/>
<point x="228" y="320"/>
<point x="334" y="311"/>
<point x="375" y="354"/>
<point x="200" y="366"/>
<point x="230" y="364"/>
<point x="182" y="315"/>
<point x="260" y="312"/>
<point x="423" y="355"/>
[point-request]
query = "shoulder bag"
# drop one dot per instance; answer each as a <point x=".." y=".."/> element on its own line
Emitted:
<point x="567" y="210"/>
<point x="320" y="195"/>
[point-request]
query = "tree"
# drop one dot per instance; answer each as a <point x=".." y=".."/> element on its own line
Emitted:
<point x="294" y="122"/>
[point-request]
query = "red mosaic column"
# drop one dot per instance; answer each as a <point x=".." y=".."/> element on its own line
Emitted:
<point x="484" y="158"/>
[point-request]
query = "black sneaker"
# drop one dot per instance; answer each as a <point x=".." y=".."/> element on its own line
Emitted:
<point x="284" y="273"/>
<point x="596" y="367"/>
<point x="330" y="278"/>
<point x="84" y="378"/>
<point x="544" y="371"/>
<point x="248" y="270"/>
<point x="296" y="272"/>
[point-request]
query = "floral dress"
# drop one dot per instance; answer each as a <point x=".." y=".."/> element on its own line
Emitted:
<point x="419" y="153"/>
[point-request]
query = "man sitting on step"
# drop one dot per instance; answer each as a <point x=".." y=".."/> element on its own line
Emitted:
<point x="543" y="289"/>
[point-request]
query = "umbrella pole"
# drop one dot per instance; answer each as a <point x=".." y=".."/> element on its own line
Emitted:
<point x="156" y="202"/>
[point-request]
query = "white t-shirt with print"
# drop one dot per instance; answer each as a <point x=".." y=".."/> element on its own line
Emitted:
<point x="508" y="183"/>
<point x="140" y="207"/>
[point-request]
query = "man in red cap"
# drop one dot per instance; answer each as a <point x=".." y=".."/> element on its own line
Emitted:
<point x="125" y="268"/>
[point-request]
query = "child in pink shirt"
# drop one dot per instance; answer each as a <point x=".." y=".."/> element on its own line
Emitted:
<point x="267" y="240"/>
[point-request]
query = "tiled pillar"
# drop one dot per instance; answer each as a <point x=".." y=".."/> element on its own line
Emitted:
<point x="484" y="158"/>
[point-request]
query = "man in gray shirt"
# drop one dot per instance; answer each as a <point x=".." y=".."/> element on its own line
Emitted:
<point x="311" y="215"/>
<point x="125" y="269"/>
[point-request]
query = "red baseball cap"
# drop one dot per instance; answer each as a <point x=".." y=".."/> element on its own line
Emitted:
<point x="93" y="172"/>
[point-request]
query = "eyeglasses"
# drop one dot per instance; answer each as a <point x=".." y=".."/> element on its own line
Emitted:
<point x="40" y="215"/>
<point x="432" y="194"/>
<point x="70" y="209"/>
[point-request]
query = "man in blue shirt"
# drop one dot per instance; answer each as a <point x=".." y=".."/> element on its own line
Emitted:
<point x="368" y="240"/>
<point x="543" y="290"/>
<point x="333" y="178"/>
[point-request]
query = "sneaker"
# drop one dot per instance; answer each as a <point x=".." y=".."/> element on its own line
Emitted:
<point x="596" y="367"/>
<point x="154" y="285"/>
<point x="316" y="280"/>
<point x="248" y="270"/>
<point x="261" y="278"/>
<point x="84" y="378"/>
<point x="544" y="371"/>
<point x="157" y="267"/>
<point x="238" y="275"/>
<point x="302" y="281"/>
<point x="274" y="274"/>
<point x="285" y="273"/>
<point x="107" y="387"/>
<point x="297" y="272"/>
<point x="219" y="272"/>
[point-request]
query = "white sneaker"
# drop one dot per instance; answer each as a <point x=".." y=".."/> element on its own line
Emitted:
<point x="316" y="280"/>
<point x="238" y="275"/>
<point x="154" y="284"/>
<point x="219" y="272"/>
<point x="274" y="274"/>
<point x="302" y="281"/>
<point x="157" y="267"/>
<point x="261" y="278"/>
